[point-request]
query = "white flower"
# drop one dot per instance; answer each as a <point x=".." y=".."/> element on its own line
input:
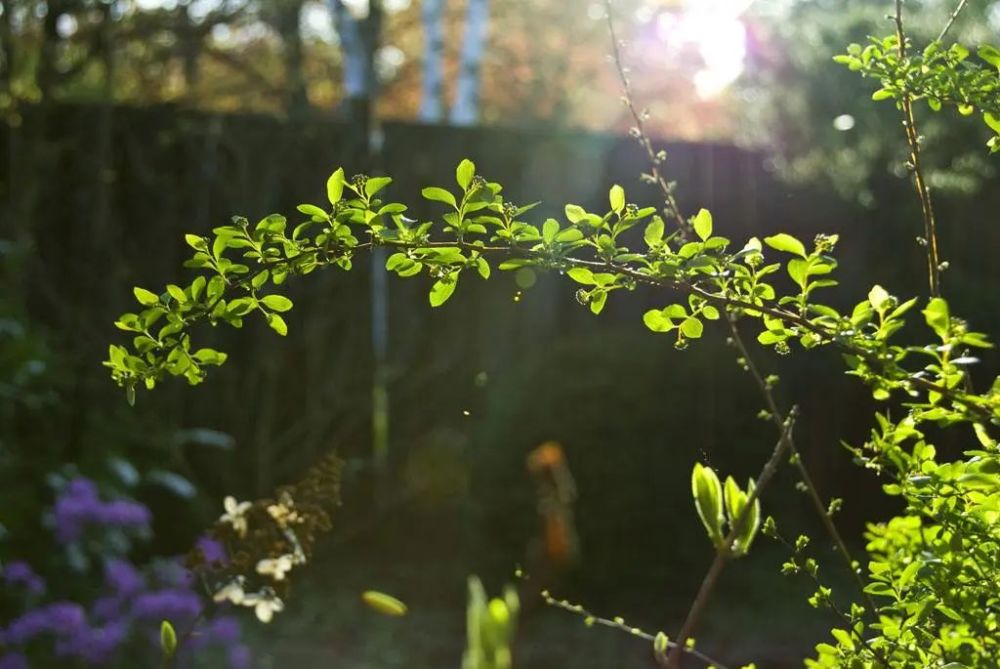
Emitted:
<point x="276" y="567"/>
<point x="284" y="513"/>
<point x="235" y="514"/>
<point x="265" y="604"/>
<point x="232" y="591"/>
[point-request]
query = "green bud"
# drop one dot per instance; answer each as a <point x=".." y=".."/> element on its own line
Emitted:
<point x="168" y="639"/>
<point x="707" y="492"/>
<point x="660" y="645"/>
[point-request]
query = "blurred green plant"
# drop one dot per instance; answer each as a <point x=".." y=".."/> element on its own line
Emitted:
<point x="928" y="598"/>
<point x="490" y="627"/>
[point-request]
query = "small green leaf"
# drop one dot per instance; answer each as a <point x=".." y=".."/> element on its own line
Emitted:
<point x="990" y="54"/>
<point x="582" y="275"/>
<point x="276" y="302"/>
<point x="335" y="186"/>
<point x="575" y="213"/>
<point x="785" y="242"/>
<point x="439" y="195"/>
<point x="877" y="297"/>
<point x="654" y="232"/>
<point x="146" y="298"/>
<point x="177" y="293"/>
<point x="549" y="230"/>
<point x="703" y="224"/>
<point x="692" y="327"/>
<point x="464" y="173"/>
<point x="312" y="210"/>
<point x="993" y="121"/>
<point x="597" y="301"/>
<point x="937" y="316"/>
<point x="443" y="289"/>
<point x="277" y="324"/>
<point x="617" y="198"/>
<point x="196" y="242"/>
<point x="375" y="184"/>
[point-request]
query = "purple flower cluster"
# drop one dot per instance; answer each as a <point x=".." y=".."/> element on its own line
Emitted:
<point x="131" y="605"/>
<point x="212" y="551"/>
<point x="80" y="506"/>
<point x="19" y="573"/>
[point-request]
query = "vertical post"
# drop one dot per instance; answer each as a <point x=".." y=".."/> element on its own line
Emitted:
<point x="465" y="110"/>
<point x="431" y="87"/>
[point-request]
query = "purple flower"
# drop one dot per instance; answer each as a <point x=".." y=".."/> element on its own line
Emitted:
<point x="123" y="578"/>
<point x="223" y="630"/>
<point x="174" y="574"/>
<point x="80" y="506"/>
<point x="14" y="661"/>
<point x="106" y="608"/>
<point x="239" y="657"/>
<point x="58" y="617"/>
<point x="95" y="645"/>
<point x="168" y="604"/>
<point x="212" y="551"/>
<point x="21" y="573"/>
<point x="124" y="513"/>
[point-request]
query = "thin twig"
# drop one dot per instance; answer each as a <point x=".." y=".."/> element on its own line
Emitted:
<point x="951" y="20"/>
<point x="620" y="624"/>
<point x="724" y="553"/>
<point x="776" y="418"/>
<point x="640" y="127"/>
<point x="919" y="182"/>
<point x="848" y="624"/>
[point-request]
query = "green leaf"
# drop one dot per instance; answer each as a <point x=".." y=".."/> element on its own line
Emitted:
<point x="177" y="293"/>
<point x="882" y="94"/>
<point x="785" y="242"/>
<point x="993" y="121"/>
<point x="654" y="232"/>
<point x="937" y="316"/>
<point x="549" y="230"/>
<point x="617" y="198"/>
<point x="483" y="267"/>
<point x="692" y="327"/>
<point x="277" y="324"/>
<point x="582" y="275"/>
<point x="312" y="210"/>
<point x="797" y="270"/>
<point x="439" y="195"/>
<point x="575" y="213"/>
<point x="196" y="242"/>
<point x="146" y="298"/>
<point x="375" y="184"/>
<point x="443" y="289"/>
<point x="168" y="639"/>
<point x="703" y="224"/>
<point x="656" y="321"/>
<point x="990" y="54"/>
<point x="276" y="302"/>
<point x="597" y="301"/>
<point x="464" y="173"/>
<point x="877" y="297"/>
<point x="335" y="186"/>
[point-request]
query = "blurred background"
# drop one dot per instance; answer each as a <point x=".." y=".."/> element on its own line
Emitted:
<point x="127" y="123"/>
